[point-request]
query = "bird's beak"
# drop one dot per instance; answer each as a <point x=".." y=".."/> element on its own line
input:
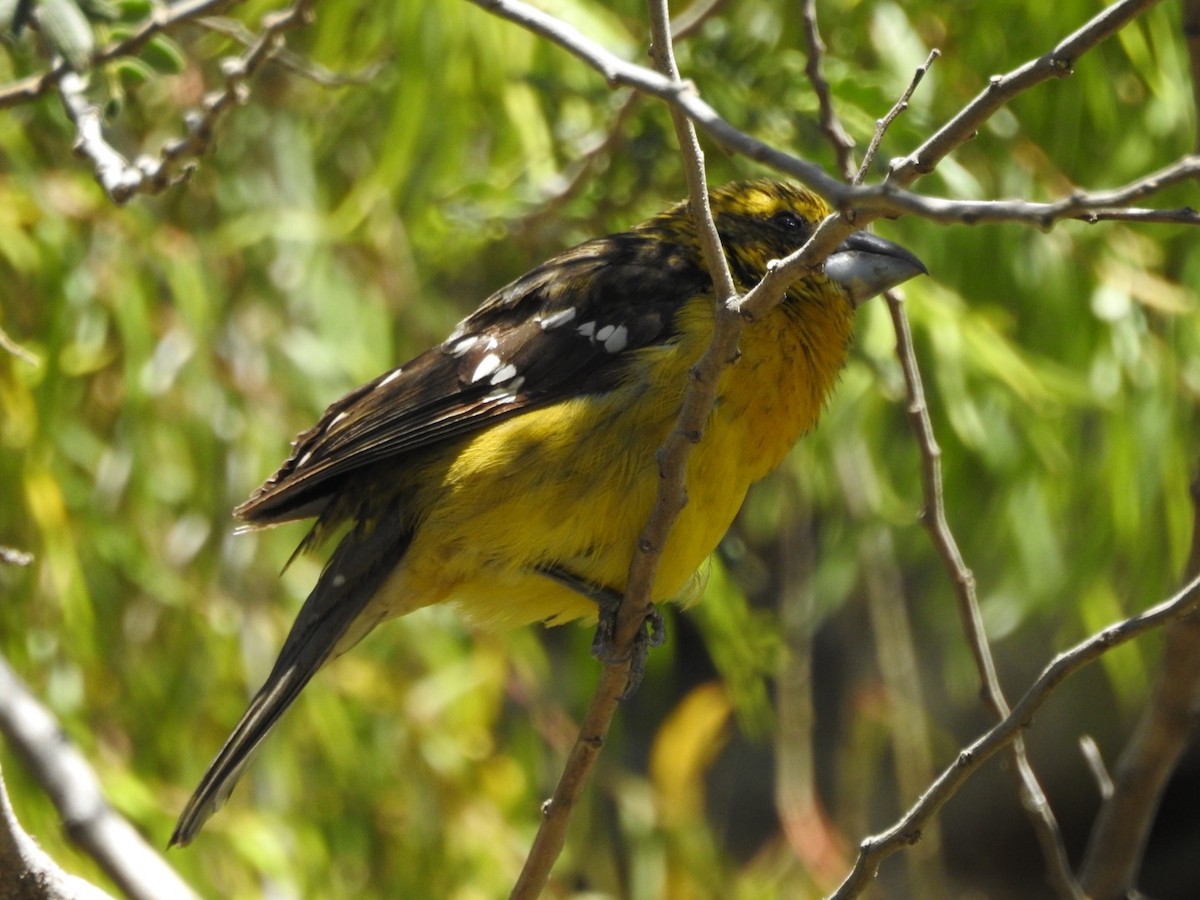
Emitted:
<point x="866" y="265"/>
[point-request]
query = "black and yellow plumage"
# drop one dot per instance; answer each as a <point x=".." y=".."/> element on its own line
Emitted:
<point x="517" y="458"/>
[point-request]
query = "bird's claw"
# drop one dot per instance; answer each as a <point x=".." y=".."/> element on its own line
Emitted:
<point x="651" y="634"/>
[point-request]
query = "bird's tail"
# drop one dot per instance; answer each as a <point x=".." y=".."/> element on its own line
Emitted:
<point x="329" y="623"/>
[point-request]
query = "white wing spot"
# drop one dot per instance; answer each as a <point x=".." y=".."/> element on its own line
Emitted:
<point x="603" y="334"/>
<point x="587" y="329"/>
<point x="389" y="378"/>
<point x="506" y="393"/>
<point x="562" y="317"/>
<point x="616" y="341"/>
<point x="336" y="419"/>
<point x="464" y="345"/>
<point x="492" y="342"/>
<point x="339" y="580"/>
<point x="486" y="367"/>
<point x="305" y="458"/>
<point x="504" y="373"/>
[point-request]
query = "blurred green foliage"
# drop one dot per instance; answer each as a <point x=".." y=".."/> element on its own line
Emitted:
<point x="180" y="342"/>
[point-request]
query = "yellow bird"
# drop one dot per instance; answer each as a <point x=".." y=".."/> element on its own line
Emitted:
<point x="510" y="469"/>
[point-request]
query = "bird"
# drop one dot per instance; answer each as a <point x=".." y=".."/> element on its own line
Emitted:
<point x="509" y="469"/>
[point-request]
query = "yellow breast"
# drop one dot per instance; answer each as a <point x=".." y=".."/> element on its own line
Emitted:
<point x="572" y="484"/>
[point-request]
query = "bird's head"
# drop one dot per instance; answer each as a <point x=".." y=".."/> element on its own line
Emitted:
<point x="761" y="221"/>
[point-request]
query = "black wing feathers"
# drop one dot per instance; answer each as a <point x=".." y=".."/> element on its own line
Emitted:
<point x="560" y="330"/>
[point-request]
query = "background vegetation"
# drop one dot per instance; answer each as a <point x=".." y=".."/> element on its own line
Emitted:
<point x="175" y="345"/>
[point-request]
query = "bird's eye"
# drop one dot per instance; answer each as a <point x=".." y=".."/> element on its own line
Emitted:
<point x="788" y="219"/>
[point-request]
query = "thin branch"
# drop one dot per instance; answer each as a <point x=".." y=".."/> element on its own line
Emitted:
<point x="683" y="26"/>
<point x="164" y="18"/>
<point x="619" y="72"/>
<point x="121" y="179"/>
<point x="1118" y="842"/>
<point x="672" y="495"/>
<point x="893" y="638"/>
<point x="1001" y="89"/>
<point x="1095" y="762"/>
<point x="889" y="199"/>
<point x="67" y="778"/>
<point x="900" y="106"/>
<point x="831" y="125"/>
<point x="876" y="848"/>
<point x="933" y="516"/>
<point x="1085" y="205"/>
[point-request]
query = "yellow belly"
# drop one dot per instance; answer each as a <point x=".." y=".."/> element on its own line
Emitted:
<point x="573" y="484"/>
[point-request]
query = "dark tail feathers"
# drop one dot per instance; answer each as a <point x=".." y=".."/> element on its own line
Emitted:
<point x="359" y="566"/>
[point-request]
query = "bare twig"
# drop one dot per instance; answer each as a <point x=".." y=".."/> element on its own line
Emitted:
<point x="683" y="26"/>
<point x="831" y="125"/>
<point x="68" y="779"/>
<point x="121" y="179"/>
<point x="1058" y="63"/>
<point x="890" y="199"/>
<point x="901" y="105"/>
<point x="164" y="18"/>
<point x="1095" y="762"/>
<point x="1118" y="840"/>
<point x="933" y="516"/>
<point x="672" y="460"/>
<point x="876" y="848"/>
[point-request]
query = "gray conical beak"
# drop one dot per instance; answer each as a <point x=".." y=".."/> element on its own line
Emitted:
<point x="866" y="265"/>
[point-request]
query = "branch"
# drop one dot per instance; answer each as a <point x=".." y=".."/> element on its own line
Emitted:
<point x="698" y="401"/>
<point x="890" y="199"/>
<point x="24" y="864"/>
<point x="876" y="848"/>
<point x="1122" y="829"/>
<point x="67" y="778"/>
<point x="1058" y="63"/>
<point x="933" y="516"/>
<point x="899" y="107"/>
<point x="164" y="18"/>
<point x="122" y="180"/>
<point x="831" y="126"/>
<point x="681" y="95"/>
<point x="686" y="24"/>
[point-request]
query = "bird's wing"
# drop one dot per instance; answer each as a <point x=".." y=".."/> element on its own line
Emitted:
<point x="561" y="330"/>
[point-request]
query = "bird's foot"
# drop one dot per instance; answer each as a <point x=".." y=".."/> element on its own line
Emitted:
<point x="653" y="632"/>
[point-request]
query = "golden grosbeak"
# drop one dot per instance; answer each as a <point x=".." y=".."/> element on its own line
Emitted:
<point x="510" y="469"/>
